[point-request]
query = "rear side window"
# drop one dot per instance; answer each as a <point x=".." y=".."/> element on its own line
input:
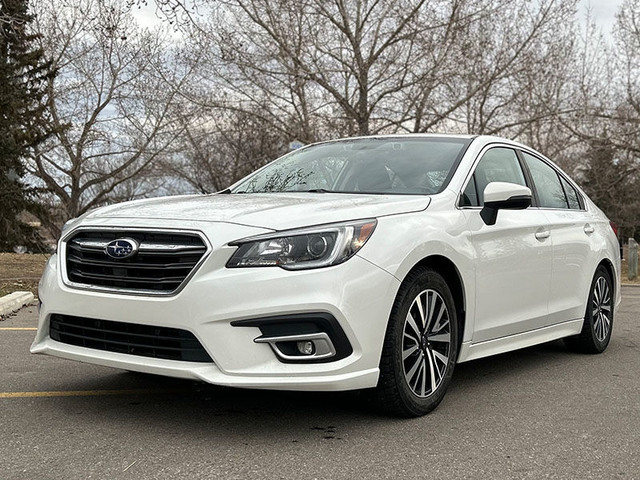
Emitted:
<point x="496" y="165"/>
<point x="547" y="182"/>
<point x="572" y="195"/>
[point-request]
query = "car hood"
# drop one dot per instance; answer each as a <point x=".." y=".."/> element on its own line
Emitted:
<point x="277" y="211"/>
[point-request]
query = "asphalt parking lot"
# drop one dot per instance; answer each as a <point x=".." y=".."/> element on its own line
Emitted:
<point x="537" y="413"/>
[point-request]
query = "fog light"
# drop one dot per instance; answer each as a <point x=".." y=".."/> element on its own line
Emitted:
<point x="305" y="348"/>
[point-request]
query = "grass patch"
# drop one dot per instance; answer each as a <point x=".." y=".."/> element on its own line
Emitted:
<point x="21" y="272"/>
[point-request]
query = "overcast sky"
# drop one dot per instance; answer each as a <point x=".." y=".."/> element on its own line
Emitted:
<point x="603" y="11"/>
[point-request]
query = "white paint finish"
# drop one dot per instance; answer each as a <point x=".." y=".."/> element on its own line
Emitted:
<point x="402" y="241"/>
<point x="524" y="279"/>
<point x="512" y="272"/>
<point x="574" y="253"/>
<point x="210" y="373"/>
<point x="273" y="211"/>
<point x="360" y="301"/>
<point x="503" y="191"/>
<point x="473" y="351"/>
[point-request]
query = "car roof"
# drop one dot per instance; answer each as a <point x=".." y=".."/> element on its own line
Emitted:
<point x="404" y="135"/>
<point x="484" y="139"/>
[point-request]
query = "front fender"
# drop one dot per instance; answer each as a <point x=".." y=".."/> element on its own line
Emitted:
<point x="400" y="242"/>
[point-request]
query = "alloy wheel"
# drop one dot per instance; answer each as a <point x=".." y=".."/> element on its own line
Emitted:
<point x="426" y="343"/>
<point x="601" y="308"/>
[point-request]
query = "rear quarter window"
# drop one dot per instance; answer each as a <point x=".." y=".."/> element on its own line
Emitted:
<point x="573" y="197"/>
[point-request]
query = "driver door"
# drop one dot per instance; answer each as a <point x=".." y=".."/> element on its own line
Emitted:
<point x="513" y="258"/>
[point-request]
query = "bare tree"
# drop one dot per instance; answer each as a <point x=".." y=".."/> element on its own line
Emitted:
<point x="315" y="69"/>
<point x="252" y="75"/>
<point x="627" y="114"/>
<point x="507" y="71"/>
<point x="114" y="101"/>
<point x="611" y="178"/>
<point x="602" y="123"/>
<point x="218" y="149"/>
<point x="347" y="67"/>
<point x="612" y="170"/>
<point x="335" y="65"/>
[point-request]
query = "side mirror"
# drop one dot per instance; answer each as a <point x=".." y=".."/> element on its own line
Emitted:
<point x="501" y="195"/>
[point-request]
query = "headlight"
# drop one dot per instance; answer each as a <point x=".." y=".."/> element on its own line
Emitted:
<point x="312" y="247"/>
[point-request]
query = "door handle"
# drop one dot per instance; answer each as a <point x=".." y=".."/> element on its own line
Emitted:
<point x="588" y="229"/>
<point x="543" y="234"/>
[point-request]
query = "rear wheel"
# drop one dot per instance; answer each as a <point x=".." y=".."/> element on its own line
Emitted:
<point x="598" y="319"/>
<point x="420" y="347"/>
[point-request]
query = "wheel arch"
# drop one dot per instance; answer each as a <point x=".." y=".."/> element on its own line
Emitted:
<point x="451" y="274"/>
<point x="608" y="265"/>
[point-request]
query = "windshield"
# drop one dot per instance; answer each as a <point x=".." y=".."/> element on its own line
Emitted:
<point x="367" y="165"/>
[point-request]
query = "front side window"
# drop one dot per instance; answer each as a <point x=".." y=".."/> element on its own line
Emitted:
<point x="547" y="182"/>
<point x="414" y="166"/>
<point x="496" y="165"/>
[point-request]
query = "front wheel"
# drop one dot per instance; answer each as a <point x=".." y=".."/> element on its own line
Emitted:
<point x="420" y="347"/>
<point x="598" y="318"/>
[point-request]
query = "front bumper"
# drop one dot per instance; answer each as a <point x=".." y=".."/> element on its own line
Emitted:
<point x="358" y="294"/>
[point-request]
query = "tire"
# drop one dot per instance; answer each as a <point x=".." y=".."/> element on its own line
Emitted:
<point x="598" y="318"/>
<point x="417" y="361"/>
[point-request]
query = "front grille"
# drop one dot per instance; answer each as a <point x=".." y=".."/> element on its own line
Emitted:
<point x="163" y="261"/>
<point x="130" y="338"/>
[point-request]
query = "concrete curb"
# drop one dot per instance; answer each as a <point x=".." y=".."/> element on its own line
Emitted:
<point x="14" y="301"/>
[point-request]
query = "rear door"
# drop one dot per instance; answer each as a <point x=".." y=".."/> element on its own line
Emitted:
<point x="513" y="258"/>
<point x="571" y="233"/>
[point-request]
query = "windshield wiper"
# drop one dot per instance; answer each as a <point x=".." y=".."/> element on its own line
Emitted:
<point x="311" y="190"/>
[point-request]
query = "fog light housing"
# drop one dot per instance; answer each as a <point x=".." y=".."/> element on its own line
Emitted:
<point x="306" y="348"/>
<point x="314" y="337"/>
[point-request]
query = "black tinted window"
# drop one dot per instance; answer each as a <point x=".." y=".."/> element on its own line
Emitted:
<point x="547" y="182"/>
<point x="470" y="194"/>
<point x="572" y="195"/>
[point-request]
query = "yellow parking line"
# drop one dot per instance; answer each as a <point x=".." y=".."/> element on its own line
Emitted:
<point x="78" y="393"/>
<point x="19" y="328"/>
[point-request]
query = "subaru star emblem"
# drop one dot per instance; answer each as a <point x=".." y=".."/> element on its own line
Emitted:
<point x="122" y="248"/>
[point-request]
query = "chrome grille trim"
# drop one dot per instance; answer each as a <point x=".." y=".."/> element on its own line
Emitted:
<point x="147" y="246"/>
<point x="73" y="243"/>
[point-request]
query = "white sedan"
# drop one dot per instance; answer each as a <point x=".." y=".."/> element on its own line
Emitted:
<point x="363" y="263"/>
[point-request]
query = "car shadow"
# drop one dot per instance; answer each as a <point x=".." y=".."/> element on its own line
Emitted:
<point x="190" y="408"/>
